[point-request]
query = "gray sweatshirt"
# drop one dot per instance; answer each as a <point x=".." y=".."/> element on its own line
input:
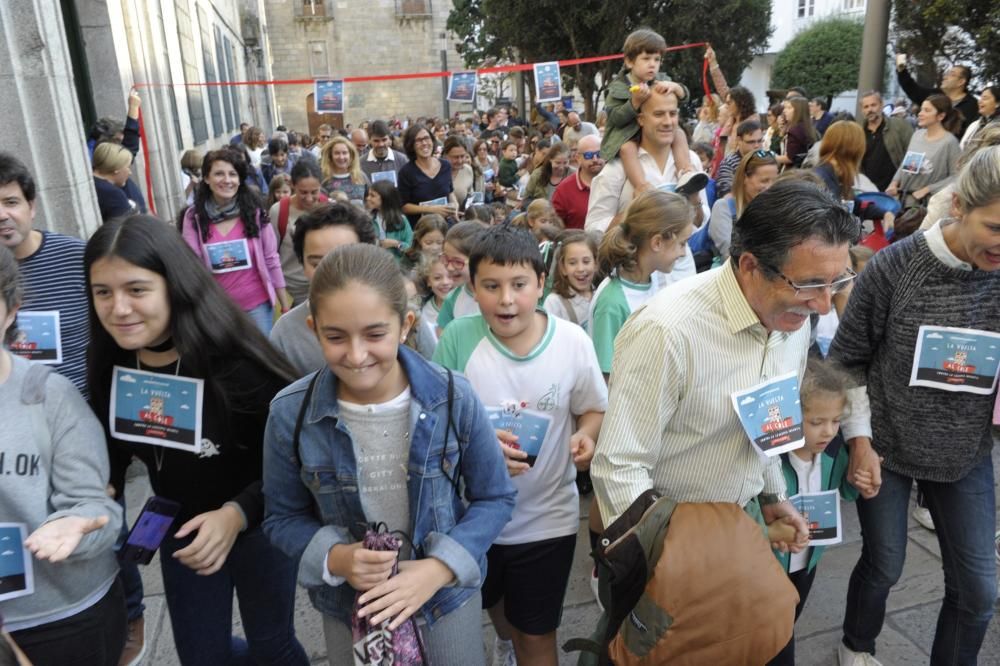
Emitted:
<point x="934" y="163"/>
<point x="54" y="463"/>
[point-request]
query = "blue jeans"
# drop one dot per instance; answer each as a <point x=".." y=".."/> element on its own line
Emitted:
<point x="201" y="607"/>
<point x="964" y="514"/>
<point x="263" y="316"/>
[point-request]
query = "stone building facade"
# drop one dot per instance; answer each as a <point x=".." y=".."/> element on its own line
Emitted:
<point x="344" y="38"/>
<point x="65" y="64"/>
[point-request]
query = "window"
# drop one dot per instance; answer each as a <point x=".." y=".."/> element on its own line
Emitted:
<point x="214" y="105"/>
<point x="227" y="100"/>
<point x="306" y="10"/>
<point x="851" y="5"/>
<point x="413" y="8"/>
<point x="196" y="105"/>
<point x="317" y="59"/>
<point x="806" y="8"/>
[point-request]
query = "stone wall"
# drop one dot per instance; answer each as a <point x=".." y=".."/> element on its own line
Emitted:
<point x="361" y="38"/>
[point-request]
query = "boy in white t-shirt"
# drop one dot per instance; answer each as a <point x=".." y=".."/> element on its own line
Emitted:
<point x="540" y="381"/>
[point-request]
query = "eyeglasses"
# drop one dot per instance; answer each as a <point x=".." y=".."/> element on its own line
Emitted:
<point x="452" y="262"/>
<point x="590" y="154"/>
<point x="807" y="292"/>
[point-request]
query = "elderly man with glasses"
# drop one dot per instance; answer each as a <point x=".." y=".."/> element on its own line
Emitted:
<point x="671" y="423"/>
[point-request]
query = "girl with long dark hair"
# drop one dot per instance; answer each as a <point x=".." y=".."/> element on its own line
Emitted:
<point x="181" y="379"/>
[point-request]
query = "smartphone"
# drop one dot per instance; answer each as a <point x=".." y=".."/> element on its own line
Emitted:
<point x="150" y="527"/>
<point x="900" y="60"/>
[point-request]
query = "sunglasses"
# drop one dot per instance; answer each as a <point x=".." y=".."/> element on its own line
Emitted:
<point x="590" y="154"/>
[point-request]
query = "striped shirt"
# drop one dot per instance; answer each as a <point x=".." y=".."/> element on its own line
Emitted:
<point x="670" y="423"/>
<point x="53" y="279"/>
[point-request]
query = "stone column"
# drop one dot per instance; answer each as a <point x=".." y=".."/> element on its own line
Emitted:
<point x="41" y="117"/>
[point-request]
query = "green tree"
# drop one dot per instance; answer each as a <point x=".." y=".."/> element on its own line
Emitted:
<point x="824" y="58"/>
<point x="523" y="31"/>
<point x="938" y="33"/>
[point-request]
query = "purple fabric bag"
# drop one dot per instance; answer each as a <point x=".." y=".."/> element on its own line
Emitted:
<point x="376" y="645"/>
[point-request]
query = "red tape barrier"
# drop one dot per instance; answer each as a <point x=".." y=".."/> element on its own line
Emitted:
<point x="502" y="69"/>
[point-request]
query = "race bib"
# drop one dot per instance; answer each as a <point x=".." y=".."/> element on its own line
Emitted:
<point x="384" y="175"/>
<point x="529" y="426"/>
<point x="229" y="256"/>
<point x="16" y="575"/>
<point x="153" y="408"/>
<point x="38" y="337"/>
<point x="956" y="359"/>
<point x="771" y="415"/>
<point x="822" y="514"/>
<point x="913" y="162"/>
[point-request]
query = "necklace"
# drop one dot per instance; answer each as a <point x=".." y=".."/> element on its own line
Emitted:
<point x="158" y="452"/>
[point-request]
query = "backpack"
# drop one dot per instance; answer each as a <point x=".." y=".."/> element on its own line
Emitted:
<point x="701" y="243"/>
<point x="688" y="584"/>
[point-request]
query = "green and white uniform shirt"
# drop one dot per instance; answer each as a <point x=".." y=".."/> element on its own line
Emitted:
<point x="537" y="397"/>
<point x="614" y="301"/>
<point x="459" y="303"/>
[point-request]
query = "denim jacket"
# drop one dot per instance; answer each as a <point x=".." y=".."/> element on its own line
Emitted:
<point x="312" y="501"/>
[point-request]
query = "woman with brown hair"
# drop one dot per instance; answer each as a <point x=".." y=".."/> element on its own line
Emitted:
<point x="755" y="173"/>
<point x="545" y="178"/>
<point x="800" y="134"/>
<point x="931" y="158"/>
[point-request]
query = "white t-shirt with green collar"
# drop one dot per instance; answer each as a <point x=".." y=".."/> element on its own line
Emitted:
<point x="461" y="302"/>
<point x="537" y="396"/>
<point x="614" y="301"/>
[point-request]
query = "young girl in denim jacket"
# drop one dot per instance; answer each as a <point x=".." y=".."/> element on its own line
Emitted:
<point x="383" y="436"/>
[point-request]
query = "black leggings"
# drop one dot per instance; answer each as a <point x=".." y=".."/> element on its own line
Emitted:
<point x="92" y="637"/>
<point x="802" y="580"/>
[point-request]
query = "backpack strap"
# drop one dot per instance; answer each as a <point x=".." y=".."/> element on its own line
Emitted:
<point x="283" y="209"/>
<point x="300" y="419"/>
<point x="732" y="208"/>
<point x="569" y="309"/>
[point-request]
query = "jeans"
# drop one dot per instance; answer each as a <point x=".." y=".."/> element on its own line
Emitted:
<point x="93" y="637"/>
<point x="201" y="607"/>
<point x="263" y="317"/>
<point x="964" y="514"/>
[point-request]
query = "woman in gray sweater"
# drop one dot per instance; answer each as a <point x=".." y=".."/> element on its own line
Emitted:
<point x="920" y="336"/>
<point x="54" y="465"/>
<point x="930" y="161"/>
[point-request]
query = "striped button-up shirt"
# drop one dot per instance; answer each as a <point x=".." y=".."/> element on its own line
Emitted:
<point x="671" y="424"/>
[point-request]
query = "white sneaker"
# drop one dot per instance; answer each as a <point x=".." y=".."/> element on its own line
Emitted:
<point x="503" y="653"/>
<point x="848" y="657"/>
<point x="923" y="517"/>
<point x="593" y="588"/>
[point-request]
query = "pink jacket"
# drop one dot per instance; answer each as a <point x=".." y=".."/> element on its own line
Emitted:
<point x="264" y="249"/>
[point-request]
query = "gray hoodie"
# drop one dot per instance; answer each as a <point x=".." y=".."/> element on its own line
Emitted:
<point x="54" y="463"/>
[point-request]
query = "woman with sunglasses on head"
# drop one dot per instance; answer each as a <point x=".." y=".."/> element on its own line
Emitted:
<point x="164" y="332"/>
<point x="756" y="172"/>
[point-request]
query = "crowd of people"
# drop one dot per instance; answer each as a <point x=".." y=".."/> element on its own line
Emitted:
<point x="384" y="363"/>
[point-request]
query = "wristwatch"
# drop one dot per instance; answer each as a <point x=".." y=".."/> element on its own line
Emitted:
<point x="772" y="498"/>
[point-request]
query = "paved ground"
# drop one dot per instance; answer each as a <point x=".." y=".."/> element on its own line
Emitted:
<point x="906" y="638"/>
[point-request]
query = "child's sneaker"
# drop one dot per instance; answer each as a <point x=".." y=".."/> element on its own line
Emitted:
<point x="848" y="657"/>
<point x="923" y="517"/>
<point x="503" y="653"/>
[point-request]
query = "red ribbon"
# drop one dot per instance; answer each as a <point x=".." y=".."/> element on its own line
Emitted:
<point x="501" y="69"/>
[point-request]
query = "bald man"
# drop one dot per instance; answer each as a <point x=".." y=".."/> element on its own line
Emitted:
<point x="359" y="138"/>
<point x="576" y="128"/>
<point x="572" y="195"/>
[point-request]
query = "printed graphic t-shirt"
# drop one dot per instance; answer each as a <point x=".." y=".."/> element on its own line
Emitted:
<point x="536" y="396"/>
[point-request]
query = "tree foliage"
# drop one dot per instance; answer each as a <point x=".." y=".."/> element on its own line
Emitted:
<point x="524" y="31"/>
<point x="939" y="33"/>
<point x="824" y="58"/>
